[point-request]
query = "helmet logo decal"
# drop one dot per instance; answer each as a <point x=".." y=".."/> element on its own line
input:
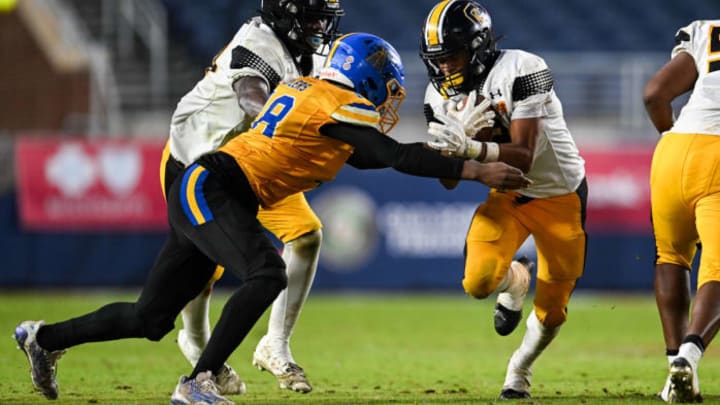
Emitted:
<point x="378" y="59"/>
<point x="474" y="14"/>
<point x="432" y="26"/>
<point x="348" y="62"/>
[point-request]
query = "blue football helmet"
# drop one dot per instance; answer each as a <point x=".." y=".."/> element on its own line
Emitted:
<point x="372" y="67"/>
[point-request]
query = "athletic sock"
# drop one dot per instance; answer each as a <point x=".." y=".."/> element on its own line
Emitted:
<point x="196" y="318"/>
<point x="301" y="258"/>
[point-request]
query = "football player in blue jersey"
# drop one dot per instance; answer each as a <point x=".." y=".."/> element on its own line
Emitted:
<point x="307" y="131"/>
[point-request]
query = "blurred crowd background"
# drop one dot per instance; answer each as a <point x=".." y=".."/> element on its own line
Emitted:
<point x="87" y="88"/>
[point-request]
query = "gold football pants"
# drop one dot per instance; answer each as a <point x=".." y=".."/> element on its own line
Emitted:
<point x="685" y="198"/>
<point x="289" y="219"/>
<point x="500" y="226"/>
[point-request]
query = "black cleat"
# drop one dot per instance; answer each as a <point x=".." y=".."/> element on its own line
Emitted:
<point x="506" y="320"/>
<point x="510" y="393"/>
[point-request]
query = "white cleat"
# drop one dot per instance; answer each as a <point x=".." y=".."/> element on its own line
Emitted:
<point x="280" y="363"/>
<point x="228" y="382"/>
<point x="665" y="393"/>
<point x="684" y="384"/>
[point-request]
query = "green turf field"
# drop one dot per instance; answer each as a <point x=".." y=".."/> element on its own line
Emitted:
<point x="372" y="349"/>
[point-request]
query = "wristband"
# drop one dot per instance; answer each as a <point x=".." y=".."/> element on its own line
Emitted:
<point x="474" y="149"/>
<point x="492" y="152"/>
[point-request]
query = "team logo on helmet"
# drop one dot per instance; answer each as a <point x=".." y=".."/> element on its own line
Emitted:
<point x="378" y="59"/>
<point x="474" y="13"/>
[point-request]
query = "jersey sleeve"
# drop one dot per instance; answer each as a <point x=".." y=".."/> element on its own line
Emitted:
<point x="531" y="87"/>
<point x="256" y="52"/>
<point x="360" y="112"/>
<point x="433" y="104"/>
<point x="685" y="40"/>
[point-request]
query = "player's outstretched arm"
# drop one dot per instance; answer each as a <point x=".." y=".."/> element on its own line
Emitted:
<point x="376" y="150"/>
<point x="495" y="174"/>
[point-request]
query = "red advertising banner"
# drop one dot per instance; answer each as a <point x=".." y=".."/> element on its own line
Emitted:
<point x="619" y="188"/>
<point x="87" y="184"/>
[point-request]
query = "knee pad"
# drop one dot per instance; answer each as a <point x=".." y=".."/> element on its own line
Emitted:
<point x="551" y="317"/>
<point x="709" y="271"/>
<point x="481" y="276"/>
<point x="551" y="300"/>
<point x="306" y="245"/>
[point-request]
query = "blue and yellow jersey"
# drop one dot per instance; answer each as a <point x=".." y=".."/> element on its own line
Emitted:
<point x="283" y="152"/>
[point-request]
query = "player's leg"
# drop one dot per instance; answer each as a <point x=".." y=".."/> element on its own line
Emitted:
<point x="173" y="280"/>
<point x="296" y="225"/>
<point x="194" y="334"/>
<point x="561" y="261"/>
<point x="675" y="241"/>
<point x="493" y="238"/>
<point x="223" y="225"/>
<point x="705" y="316"/>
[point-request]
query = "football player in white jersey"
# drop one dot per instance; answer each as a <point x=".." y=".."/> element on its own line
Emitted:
<point x="514" y="89"/>
<point x="685" y="199"/>
<point x="277" y="46"/>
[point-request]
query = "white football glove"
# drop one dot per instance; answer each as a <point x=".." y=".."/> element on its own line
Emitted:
<point x="474" y="117"/>
<point x="449" y="136"/>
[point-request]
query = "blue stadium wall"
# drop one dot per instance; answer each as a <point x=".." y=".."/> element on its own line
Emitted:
<point x="383" y="231"/>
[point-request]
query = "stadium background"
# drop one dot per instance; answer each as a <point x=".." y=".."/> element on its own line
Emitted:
<point x="88" y="87"/>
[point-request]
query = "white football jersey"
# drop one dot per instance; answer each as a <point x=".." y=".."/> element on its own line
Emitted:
<point x="205" y="115"/>
<point x="520" y="85"/>
<point x="701" y="114"/>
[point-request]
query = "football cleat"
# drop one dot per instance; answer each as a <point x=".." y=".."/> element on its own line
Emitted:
<point x="43" y="363"/>
<point x="663" y="395"/>
<point x="510" y="393"/>
<point x="508" y="308"/>
<point x="517" y="381"/>
<point x="228" y="381"/>
<point x="684" y="384"/>
<point x="200" y="390"/>
<point x="289" y="375"/>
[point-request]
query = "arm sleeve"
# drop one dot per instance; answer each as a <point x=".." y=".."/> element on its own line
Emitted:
<point x="374" y="150"/>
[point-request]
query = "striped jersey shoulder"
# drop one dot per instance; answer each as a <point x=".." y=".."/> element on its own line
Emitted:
<point x="359" y="112"/>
